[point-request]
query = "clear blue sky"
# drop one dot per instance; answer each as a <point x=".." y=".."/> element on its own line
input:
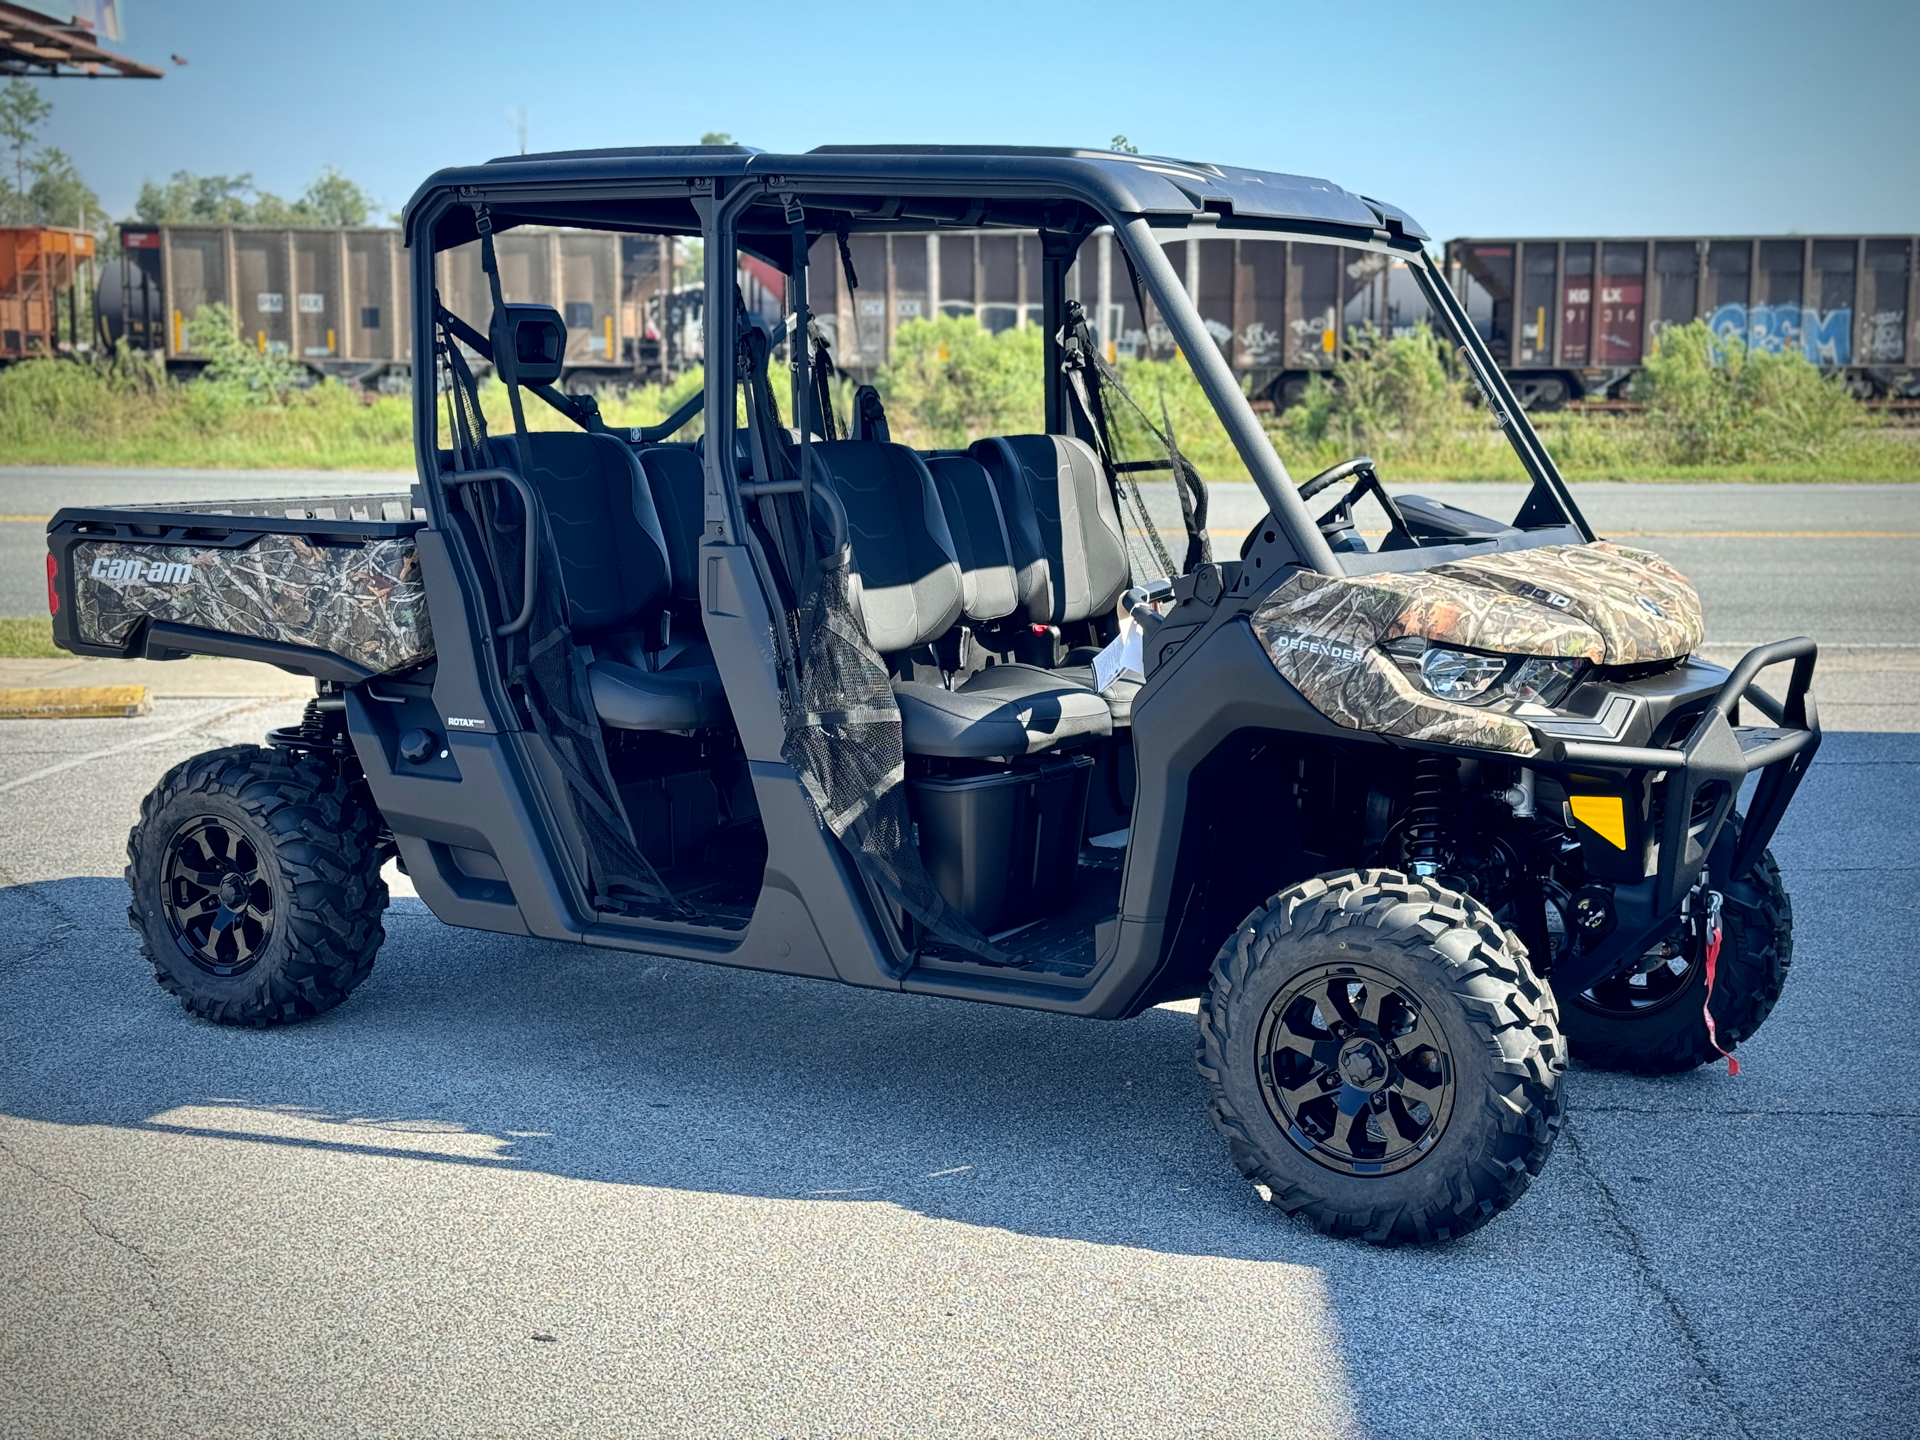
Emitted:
<point x="1535" y="118"/>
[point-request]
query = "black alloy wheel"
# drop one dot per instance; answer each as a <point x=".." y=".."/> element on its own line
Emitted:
<point x="216" y="896"/>
<point x="1665" y="973"/>
<point x="1354" y="1072"/>
<point x="254" y="884"/>
<point x="1381" y="1058"/>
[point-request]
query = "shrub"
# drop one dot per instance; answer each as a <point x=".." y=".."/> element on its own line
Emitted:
<point x="951" y="381"/>
<point x="1711" y="401"/>
<point x="235" y="369"/>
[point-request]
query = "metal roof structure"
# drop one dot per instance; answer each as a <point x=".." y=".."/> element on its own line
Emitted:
<point x="36" y="44"/>
<point x="1030" y="178"/>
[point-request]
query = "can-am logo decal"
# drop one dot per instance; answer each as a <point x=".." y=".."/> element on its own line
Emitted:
<point x="1315" y="647"/>
<point x="1651" y="608"/>
<point x="1544" y="596"/>
<point x="134" y="570"/>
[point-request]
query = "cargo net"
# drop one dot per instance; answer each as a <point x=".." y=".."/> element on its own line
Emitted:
<point x="547" y="668"/>
<point x="844" y="742"/>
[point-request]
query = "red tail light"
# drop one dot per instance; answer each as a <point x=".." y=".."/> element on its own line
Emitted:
<point x="53" y="587"/>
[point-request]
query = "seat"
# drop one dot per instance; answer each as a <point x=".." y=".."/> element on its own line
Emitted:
<point x="909" y="588"/>
<point x="1065" y="540"/>
<point x="1119" y="695"/>
<point x="677" y="483"/>
<point x="688" y="697"/>
<point x="989" y="586"/>
<point x="617" y="583"/>
<point x="677" y="479"/>
<point x="1067" y="545"/>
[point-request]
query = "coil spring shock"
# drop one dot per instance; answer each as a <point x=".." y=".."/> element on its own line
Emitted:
<point x="322" y="729"/>
<point x="1429" y="832"/>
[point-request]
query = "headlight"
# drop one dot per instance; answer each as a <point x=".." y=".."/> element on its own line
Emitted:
<point x="1460" y="675"/>
<point x="1544" y="680"/>
<point x="1471" y="677"/>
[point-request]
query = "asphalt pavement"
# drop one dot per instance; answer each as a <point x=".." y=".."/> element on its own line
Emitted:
<point x="1832" y="561"/>
<point x="515" y="1188"/>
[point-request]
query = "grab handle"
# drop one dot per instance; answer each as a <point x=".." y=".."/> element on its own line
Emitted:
<point x="530" y="563"/>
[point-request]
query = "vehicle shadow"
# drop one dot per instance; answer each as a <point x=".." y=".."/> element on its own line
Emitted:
<point x="633" y="1070"/>
<point x="473" y="1049"/>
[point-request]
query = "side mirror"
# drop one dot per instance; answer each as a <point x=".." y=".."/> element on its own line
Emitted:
<point x="536" y="337"/>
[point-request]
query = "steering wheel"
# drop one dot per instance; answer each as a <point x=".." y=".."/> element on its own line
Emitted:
<point x="1334" y="476"/>
<point x="1337" y="524"/>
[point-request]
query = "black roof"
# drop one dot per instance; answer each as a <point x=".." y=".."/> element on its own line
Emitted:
<point x="1149" y="185"/>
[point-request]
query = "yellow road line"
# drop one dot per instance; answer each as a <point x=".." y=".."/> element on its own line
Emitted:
<point x="26" y="519"/>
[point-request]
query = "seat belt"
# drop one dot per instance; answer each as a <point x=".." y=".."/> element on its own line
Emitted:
<point x="574" y="741"/>
<point x="1077" y="356"/>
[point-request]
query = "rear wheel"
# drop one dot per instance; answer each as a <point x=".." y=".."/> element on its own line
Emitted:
<point x="256" y="889"/>
<point x="1381" y="1058"/>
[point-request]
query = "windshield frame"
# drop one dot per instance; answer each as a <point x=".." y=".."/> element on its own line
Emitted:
<point x="1143" y="239"/>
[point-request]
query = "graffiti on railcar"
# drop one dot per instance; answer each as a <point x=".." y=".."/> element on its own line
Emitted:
<point x="1824" y="336"/>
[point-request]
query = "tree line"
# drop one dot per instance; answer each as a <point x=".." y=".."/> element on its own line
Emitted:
<point x="41" y="185"/>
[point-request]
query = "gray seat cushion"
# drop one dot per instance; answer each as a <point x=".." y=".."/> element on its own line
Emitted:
<point x="1003" y="710"/>
<point x="688" y="697"/>
<point x="1119" y="696"/>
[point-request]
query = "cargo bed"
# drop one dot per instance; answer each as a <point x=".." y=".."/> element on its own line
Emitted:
<point x="328" y="586"/>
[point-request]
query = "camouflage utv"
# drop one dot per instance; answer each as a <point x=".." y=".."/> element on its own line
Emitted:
<point x="1411" y="799"/>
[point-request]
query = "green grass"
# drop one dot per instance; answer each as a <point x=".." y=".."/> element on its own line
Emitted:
<point x="54" y="412"/>
<point x="1759" y="418"/>
<point x="28" y="637"/>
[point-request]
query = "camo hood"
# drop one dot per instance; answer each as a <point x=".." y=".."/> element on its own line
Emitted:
<point x="1601" y="602"/>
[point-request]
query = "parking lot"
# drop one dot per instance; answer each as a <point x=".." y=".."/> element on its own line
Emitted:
<point x="512" y="1188"/>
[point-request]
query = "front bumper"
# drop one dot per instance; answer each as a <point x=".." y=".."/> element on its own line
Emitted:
<point x="1696" y="783"/>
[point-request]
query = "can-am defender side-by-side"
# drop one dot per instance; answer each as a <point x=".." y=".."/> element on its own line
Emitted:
<point x="1411" y="798"/>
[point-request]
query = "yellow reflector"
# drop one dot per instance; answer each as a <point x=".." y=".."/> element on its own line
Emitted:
<point x="1605" y="815"/>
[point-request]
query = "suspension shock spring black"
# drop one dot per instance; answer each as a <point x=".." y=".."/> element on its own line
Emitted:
<point x="1428" y="839"/>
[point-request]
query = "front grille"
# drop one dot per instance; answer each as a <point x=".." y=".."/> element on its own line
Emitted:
<point x="1627" y="674"/>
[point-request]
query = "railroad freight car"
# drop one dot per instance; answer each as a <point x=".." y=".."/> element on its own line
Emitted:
<point x="335" y="298"/>
<point x="1574" y="318"/>
<point x="332" y="298"/>
<point x="1279" y="310"/>
<point x="45" y="274"/>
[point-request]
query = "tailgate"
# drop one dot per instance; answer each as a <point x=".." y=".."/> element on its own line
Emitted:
<point x="329" y="587"/>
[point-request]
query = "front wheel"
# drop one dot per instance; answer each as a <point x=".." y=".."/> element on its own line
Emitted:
<point x="1381" y="1057"/>
<point x="1652" y="1020"/>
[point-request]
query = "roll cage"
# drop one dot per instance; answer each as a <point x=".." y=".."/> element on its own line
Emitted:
<point x="738" y="201"/>
<point x="734" y="198"/>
